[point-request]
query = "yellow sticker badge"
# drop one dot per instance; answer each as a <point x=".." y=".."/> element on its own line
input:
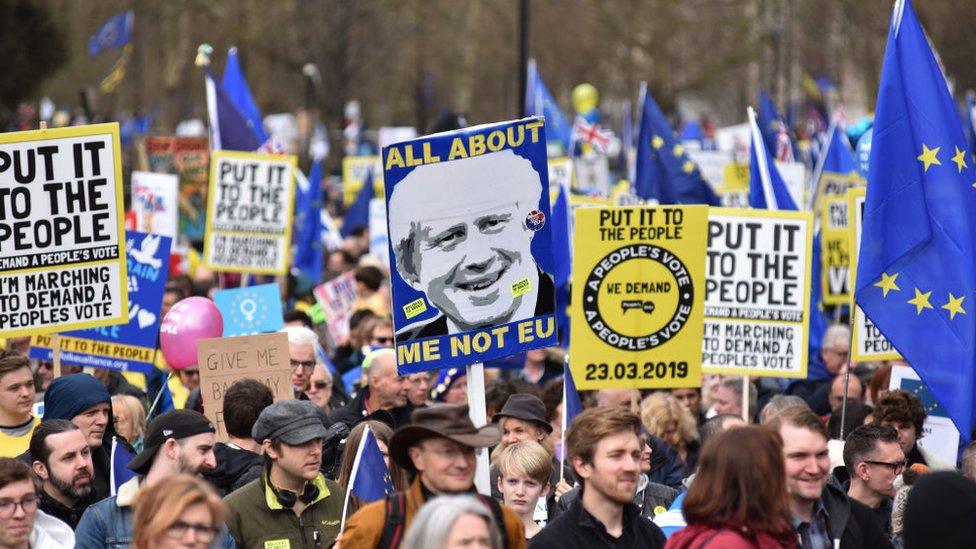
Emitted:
<point x="638" y="277"/>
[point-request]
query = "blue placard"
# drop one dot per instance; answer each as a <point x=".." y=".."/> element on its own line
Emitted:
<point x="470" y="242"/>
<point x="251" y="310"/>
<point x="128" y="346"/>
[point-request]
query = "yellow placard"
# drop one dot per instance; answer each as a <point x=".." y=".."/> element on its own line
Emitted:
<point x="734" y="190"/>
<point x="354" y="172"/>
<point x="637" y="298"/>
<point x="835" y="256"/>
<point x="757" y="292"/>
<point x="250" y="203"/>
<point x="867" y="341"/>
<point x="103" y="351"/>
<point x="62" y="237"/>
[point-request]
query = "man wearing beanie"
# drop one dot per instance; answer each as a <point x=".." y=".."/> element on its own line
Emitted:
<point x="179" y="441"/>
<point x="84" y="401"/>
<point x="292" y="504"/>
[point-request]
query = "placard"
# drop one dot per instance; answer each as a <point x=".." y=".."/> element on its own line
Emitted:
<point x="639" y="277"/>
<point x="155" y="202"/>
<point x="62" y="253"/>
<point x="130" y="346"/>
<point x="471" y="243"/>
<point x="222" y="361"/>
<point x="249" y="212"/>
<point x="867" y="341"/>
<point x="355" y="170"/>
<point x="250" y="310"/>
<point x="835" y="237"/>
<point x="939" y="434"/>
<point x="757" y="292"/>
<point x="336" y="298"/>
<point x="189" y="159"/>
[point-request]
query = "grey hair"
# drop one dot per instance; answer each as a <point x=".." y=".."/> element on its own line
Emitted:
<point x="433" y="522"/>
<point x="300" y="335"/>
<point x="734" y="384"/>
<point x="777" y="404"/>
<point x="836" y="333"/>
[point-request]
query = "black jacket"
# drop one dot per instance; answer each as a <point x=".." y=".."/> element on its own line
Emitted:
<point x="851" y="522"/>
<point x="235" y="468"/>
<point x="577" y="528"/>
<point x="649" y="498"/>
<point x="69" y="515"/>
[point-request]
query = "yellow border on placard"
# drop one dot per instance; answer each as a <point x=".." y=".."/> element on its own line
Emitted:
<point x="215" y="157"/>
<point x="805" y="325"/>
<point x="351" y="186"/>
<point x="112" y="129"/>
<point x="852" y="195"/>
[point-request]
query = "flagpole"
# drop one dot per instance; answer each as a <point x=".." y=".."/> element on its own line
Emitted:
<point x="562" y="431"/>
<point x="158" y="395"/>
<point x="352" y="477"/>
<point x="479" y="416"/>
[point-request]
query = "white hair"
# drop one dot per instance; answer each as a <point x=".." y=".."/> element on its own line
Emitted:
<point x="300" y="335"/>
<point x="836" y="333"/>
<point x="433" y="522"/>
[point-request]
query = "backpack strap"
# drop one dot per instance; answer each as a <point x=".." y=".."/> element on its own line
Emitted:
<point x="396" y="505"/>
<point x="496" y="511"/>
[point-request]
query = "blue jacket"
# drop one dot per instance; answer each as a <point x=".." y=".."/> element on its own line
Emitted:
<point x="108" y="523"/>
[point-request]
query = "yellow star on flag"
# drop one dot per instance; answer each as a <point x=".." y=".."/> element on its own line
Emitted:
<point x="929" y="156"/>
<point x="920" y="301"/>
<point x="887" y="283"/>
<point x="960" y="159"/>
<point x="954" y="306"/>
<point x="679" y="150"/>
<point x="657" y="142"/>
<point x="688" y="166"/>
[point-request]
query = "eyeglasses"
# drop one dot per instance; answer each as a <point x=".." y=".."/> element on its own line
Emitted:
<point x="895" y="467"/>
<point x="306" y="365"/>
<point x="203" y="533"/>
<point x="28" y="504"/>
<point x="321" y="385"/>
<point x="452" y="453"/>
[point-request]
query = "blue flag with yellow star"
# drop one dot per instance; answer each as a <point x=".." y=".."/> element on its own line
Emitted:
<point x="916" y="274"/>
<point x="664" y="171"/>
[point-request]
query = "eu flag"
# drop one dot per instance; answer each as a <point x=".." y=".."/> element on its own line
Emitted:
<point x="540" y="102"/>
<point x="916" y="267"/>
<point x="561" y="253"/>
<point x="769" y="121"/>
<point x="767" y="190"/>
<point x="370" y="477"/>
<point x="572" y="406"/>
<point x="119" y="471"/>
<point x="235" y="86"/>
<point x="664" y="171"/>
<point x="229" y="129"/>
<point x="357" y="216"/>
<point x="308" y="225"/>
<point x="113" y="34"/>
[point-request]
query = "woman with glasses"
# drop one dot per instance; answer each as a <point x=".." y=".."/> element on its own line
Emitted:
<point x="320" y="387"/>
<point x="183" y="512"/>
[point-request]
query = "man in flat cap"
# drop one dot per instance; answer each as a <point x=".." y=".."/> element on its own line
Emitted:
<point x="439" y="448"/>
<point x="292" y="504"/>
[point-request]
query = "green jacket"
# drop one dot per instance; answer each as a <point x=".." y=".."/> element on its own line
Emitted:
<point x="257" y="520"/>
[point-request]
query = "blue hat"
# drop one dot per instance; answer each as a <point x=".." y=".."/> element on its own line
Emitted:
<point x="444" y="381"/>
<point x="71" y="395"/>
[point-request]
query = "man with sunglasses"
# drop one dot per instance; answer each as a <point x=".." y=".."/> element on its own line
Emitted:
<point x="874" y="460"/>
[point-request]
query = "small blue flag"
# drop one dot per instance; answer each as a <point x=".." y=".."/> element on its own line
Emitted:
<point x="540" y="102"/>
<point x="120" y="472"/>
<point x="113" y="34"/>
<point x="308" y="225"/>
<point x="250" y="310"/>
<point x="371" y="478"/>
<point x="767" y="190"/>
<point x="235" y="86"/>
<point x="357" y="216"/>
<point x="916" y="265"/>
<point x="562" y="258"/>
<point x="769" y="122"/>
<point x="229" y="129"/>
<point x="572" y="406"/>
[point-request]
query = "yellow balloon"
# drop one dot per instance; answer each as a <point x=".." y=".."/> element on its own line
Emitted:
<point x="585" y="98"/>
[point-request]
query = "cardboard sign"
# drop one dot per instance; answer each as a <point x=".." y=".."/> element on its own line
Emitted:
<point x="939" y="434"/>
<point x="354" y="173"/>
<point x="867" y="341"/>
<point x="470" y="238"/>
<point x="155" y="201"/>
<point x="757" y="292"/>
<point x="249" y="212"/>
<point x="251" y="310"/>
<point x="336" y="298"/>
<point x="189" y="159"/>
<point x="834" y="238"/>
<point x="639" y="276"/>
<point x="62" y="251"/>
<point x="222" y="361"/>
<point x="129" y="346"/>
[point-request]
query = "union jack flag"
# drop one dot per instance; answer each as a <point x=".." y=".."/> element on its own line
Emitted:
<point x="597" y="137"/>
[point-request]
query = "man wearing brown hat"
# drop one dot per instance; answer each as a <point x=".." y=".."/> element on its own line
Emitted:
<point x="439" y="447"/>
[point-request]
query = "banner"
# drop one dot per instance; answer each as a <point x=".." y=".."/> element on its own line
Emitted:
<point x="834" y="237"/>
<point x="188" y="158"/>
<point x="222" y="361"/>
<point x="62" y="254"/>
<point x="639" y="275"/>
<point x="249" y="212"/>
<point x="336" y="298"/>
<point x="155" y="201"/>
<point x="470" y="238"/>
<point x="130" y="346"/>
<point x="354" y="170"/>
<point x="867" y="341"/>
<point x="251" y="310"/>
<point x="757" y="303"/>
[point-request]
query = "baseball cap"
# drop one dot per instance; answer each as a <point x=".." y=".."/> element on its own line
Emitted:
<point x="175" y="424"/>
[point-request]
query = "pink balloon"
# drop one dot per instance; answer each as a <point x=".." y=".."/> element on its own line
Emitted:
<point x="189" y="320"/>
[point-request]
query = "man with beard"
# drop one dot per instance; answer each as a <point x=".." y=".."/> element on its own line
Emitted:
<point x="179" y="441"/>
<point x="605" y="453"/>
<point x="63" y="463"/>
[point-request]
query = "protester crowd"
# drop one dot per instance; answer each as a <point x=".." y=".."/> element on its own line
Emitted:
<point x="733" y="463"/>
